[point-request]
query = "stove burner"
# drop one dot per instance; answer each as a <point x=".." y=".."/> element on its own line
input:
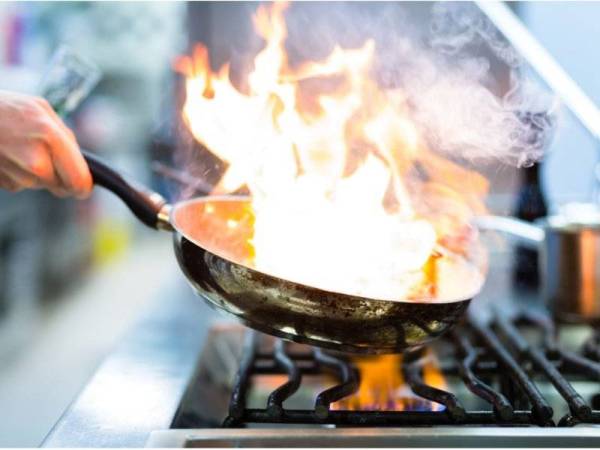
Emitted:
<point x="498" y="363"/>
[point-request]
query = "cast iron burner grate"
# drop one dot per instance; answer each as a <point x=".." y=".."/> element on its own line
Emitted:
<point x="495" y="361"/>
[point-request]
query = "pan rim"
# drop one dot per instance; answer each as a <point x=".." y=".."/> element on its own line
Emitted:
<point x="237" y="198"/>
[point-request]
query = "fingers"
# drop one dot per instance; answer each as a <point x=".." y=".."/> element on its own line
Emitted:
<point x="9" y="184"/>
<point x="43" y="103"/>
<point x="59" y="192"/>
<point x="38" y="150"/>
<point x="35" y="174"/>
<point x="69" y="164"/>
<point x="14" y="179"/>
<point x="36" y="161"/>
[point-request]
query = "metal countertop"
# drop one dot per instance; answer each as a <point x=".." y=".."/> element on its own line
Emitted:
<point x="138" y="387"/>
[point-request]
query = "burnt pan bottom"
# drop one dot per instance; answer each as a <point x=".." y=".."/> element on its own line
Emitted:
<point x="308" y="315"/>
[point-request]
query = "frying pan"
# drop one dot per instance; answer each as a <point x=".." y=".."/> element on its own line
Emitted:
<point x="210" y="237"/>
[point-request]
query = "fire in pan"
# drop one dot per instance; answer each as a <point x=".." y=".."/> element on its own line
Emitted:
<point x="213" y="254"/>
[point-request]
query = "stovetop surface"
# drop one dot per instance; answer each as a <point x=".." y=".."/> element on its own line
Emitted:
<point x="224" y="354"/>
<point x="514" y="373"/>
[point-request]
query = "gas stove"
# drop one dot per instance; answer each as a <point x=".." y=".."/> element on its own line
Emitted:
<point x="512" y="379"/>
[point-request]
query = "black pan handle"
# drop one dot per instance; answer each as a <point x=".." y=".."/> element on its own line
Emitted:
<point x="147" y="206"/>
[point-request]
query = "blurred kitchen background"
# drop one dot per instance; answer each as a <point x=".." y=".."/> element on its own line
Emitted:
<point x="75" y="275"/>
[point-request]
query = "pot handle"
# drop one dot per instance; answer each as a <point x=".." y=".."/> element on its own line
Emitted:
<point x="148" y="206"/>
<point x="523" y="232"/>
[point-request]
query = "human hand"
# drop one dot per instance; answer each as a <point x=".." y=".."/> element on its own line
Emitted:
<point x="37" y="150"/>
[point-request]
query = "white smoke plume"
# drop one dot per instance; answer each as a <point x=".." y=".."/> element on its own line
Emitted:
<point x="468" y="87"/>
<point x="458" y="109"/>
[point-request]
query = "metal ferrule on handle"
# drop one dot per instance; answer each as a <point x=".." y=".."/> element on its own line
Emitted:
<point x="148" y="206"/>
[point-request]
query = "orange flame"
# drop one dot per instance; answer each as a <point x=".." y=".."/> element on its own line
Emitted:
<point x="340" y="175"/>
<point x="383" y="388"/>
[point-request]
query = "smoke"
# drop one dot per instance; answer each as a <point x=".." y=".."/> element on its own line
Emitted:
<point x="468" y="88"/>
<point x="459" y="110"/>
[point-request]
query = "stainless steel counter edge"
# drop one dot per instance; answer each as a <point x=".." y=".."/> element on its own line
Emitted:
<point x="138" y="387"/>
<point x="449" y="436"/>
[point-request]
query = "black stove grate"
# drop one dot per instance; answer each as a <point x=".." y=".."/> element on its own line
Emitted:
<point x="494" y="361"/>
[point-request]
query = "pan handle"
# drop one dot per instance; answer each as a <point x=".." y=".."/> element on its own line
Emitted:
<point x="523" y="232"/>
<point x="150" y="207"/>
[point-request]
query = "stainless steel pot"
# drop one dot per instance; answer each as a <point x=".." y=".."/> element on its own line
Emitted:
<point x="569" y="251"/>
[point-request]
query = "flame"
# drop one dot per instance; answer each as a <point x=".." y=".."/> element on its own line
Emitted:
<point x="339" y="174"/>
<point x="382" y="386"/>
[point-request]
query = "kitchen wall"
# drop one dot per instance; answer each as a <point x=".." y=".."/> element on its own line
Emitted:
<point x="570" y="33"/>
